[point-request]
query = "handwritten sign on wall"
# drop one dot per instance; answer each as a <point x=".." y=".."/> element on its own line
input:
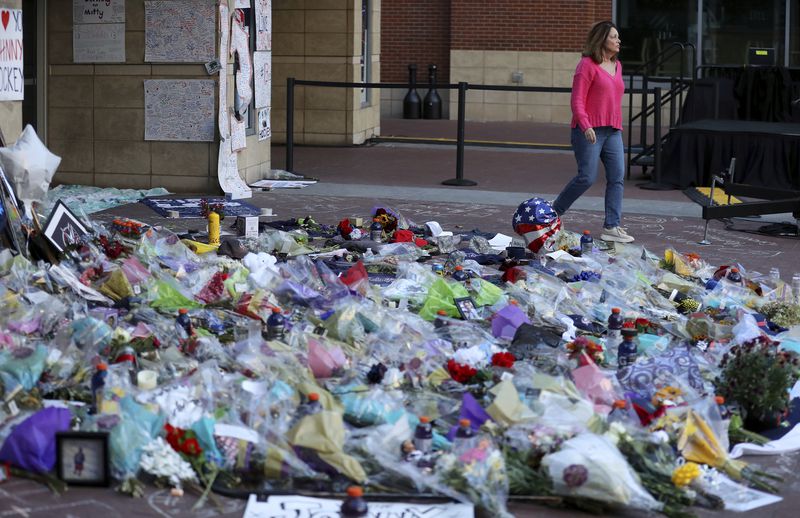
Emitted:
<point x="179" y="31"/>
<point x="179" y="109"/>
<point x="98" y="43"/>
<point x="12" y="80"/>
<point x="93" y="11"/>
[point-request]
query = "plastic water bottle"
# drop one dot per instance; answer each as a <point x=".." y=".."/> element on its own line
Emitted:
<point x="615" y="321"/>
<point x="734" y="275"/>
<point x="184" y="321"/>
<point x="423" y="435"/>
<point x="465" y="437"/>
<point x="627" y="351"/>
<point x="775" y="274"/>
<point x="587" y="242"/>
<point x="459" y="274"/>
<point x="276" y="325"/>
<point x="796" y="287"/>
<point x="376" y="230"/>
<point x="354" y="506"/>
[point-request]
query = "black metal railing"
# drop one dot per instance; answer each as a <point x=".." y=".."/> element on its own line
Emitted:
<point x="461" y="87"/>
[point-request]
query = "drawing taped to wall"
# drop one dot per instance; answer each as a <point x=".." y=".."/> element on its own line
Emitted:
<point x="264" y="126"/>
<point x="263" y="24"/>
<point x="262" y="74"/>
<point x="179" y="31"/>
<point x="179" y="110"/>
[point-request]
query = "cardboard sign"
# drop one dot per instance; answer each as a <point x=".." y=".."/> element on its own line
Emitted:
<point x="12" y="80"/>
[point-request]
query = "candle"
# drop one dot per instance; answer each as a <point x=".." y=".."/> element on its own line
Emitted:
<point x="147" y="379"/>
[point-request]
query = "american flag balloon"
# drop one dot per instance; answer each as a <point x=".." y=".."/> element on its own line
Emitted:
<point x="537" y="222"/>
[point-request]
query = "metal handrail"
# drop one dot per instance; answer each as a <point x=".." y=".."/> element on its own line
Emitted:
<point x="462" y="88"/>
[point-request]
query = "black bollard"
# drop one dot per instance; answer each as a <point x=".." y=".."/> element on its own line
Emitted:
<point x="432" y="106"/>
<point x="412" y="104"/>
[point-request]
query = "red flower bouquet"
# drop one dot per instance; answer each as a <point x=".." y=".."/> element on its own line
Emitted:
<point x="460" y="372"/>
<point x="503" y="359"/>
<point x="183" y="441"/>
<point x="585" y="351"/>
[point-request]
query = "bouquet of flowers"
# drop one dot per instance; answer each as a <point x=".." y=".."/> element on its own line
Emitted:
<point x="471" y="365"/>
<point x="163" y="462"/>
<point x="585" y="350"/>
<point x="479" y="473"/>
<point x="782" y="313"/>
<point x="207" y="208"/>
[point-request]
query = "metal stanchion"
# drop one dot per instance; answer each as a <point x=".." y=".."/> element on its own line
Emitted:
<point x="462" y="109"/>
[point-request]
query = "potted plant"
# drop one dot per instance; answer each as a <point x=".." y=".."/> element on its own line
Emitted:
<point x="757" y="377"/>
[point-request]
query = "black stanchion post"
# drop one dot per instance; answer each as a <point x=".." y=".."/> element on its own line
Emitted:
<point x="290" y="124"/>
<point x="656" y="184"/>
<point x="462" y="113"/>
<point x="412" y="104"/>
<point x="432" y="106"/>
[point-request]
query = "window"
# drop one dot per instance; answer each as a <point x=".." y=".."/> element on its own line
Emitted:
<point x="731" y="27"/>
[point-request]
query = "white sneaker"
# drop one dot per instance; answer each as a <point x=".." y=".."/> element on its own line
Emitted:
<point x="616" y="234"/>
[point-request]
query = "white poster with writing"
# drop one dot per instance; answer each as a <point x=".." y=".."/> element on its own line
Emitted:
<point x="307" y="507"/>
<point x="264" y="125"/>
<point x="238" y="134"/>
<point x="179" y="31"/>
<point x="263" y="24"/>
<point x="12" y="79"/>
<point x="262" y="75"/>
<point x="179" y="110"/>
<point x="98" y="43"/>
<point x="93" y="11"/>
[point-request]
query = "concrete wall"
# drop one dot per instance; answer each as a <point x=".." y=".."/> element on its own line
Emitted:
<point x="96" y="117"/>
<point x="11" y="111"/>
<point x="320" y="40"/>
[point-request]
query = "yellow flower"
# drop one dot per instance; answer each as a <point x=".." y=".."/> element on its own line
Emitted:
<point x="698" y="443"/>
<point x="684" y="475"/>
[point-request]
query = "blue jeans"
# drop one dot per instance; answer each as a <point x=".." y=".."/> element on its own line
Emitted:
<point x="608" y="149"/>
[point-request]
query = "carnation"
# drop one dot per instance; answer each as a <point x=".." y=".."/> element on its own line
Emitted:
<point x="160" y="460"/>
<point x="473" y="357"/>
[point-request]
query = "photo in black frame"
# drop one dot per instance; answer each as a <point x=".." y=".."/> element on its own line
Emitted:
<point x="64" y="228"/>
<point x="467" y="308"/>
<point x="82" y="458"/>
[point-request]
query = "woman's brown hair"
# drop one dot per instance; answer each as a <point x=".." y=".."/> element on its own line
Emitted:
<point x="596" y="40"/>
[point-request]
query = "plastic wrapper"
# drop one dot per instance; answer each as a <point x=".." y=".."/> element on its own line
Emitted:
<point x="91" y="334"/>
<point x="31" y="445"/>
<point x="136" y="428"/>
<point x="22" y="365"/>
<point x="590" y="466"/>
<point x="319" y="439"/>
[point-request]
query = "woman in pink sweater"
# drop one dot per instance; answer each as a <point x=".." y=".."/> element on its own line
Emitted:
<point x="596" y="101"/>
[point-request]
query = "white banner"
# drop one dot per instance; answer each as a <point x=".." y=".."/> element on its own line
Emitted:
<point x="12" y="79"/>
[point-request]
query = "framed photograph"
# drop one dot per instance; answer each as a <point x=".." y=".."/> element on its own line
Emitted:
<point x="466" y="306"/>
<point x="64" y="228"/>
<point x="82" y="458"/>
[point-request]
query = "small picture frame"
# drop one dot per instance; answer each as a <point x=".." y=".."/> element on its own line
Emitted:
<point x="82" y="458"/>
<point x="64" y="228"/>
<point x="467" y="308"/>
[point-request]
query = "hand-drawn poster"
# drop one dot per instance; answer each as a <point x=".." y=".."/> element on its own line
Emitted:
<point x="263" y="24"/>
<point x="179" y="109"/>
<point x="224" y="35"/>
<point x="94" y="11"/>
<point x="228" y="173"/>
<point x="264" y="125"/>
<point x="98" y="43"/>
<point x="262" y="75"/>
<point x="12" y="80"/>
<point x="238" y="134"/>
<point x="240" y="46"/>
<point x="179" y="31"/>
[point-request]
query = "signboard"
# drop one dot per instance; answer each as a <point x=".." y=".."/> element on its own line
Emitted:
<point x="12" y="80"/>
<point x="179" y="109"/>
<point x="92" y="11"/>
<point x="98" y="43"/>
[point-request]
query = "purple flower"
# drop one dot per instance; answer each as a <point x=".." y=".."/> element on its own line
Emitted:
<point x="575" y="475"/>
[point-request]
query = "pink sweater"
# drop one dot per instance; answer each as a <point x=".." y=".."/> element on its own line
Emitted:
<point x="596" y="96"/>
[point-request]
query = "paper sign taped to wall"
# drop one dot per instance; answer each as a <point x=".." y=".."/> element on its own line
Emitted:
<point x="12" y="79"/>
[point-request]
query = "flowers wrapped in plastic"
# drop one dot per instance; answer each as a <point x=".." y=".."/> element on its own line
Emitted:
<point x="590" y="466"/>
<point x="698" y="443"/>
<point x="477" y="472"/>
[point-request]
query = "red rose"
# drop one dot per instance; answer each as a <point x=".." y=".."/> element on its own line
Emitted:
<point x="460" y="373"/>
<point x="503" y="359"/>
<point x="191" y="447"/>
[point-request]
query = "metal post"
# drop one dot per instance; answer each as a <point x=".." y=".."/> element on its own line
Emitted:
<point x="462" y="113"/>
<point x="655" y="184"/>
<point x="290" y="124"/>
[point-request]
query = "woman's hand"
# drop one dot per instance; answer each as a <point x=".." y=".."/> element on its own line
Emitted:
<point x="590" y="136"/>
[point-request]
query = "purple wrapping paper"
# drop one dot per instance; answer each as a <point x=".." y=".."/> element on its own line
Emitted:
<point x="32" y="444"/>
<point x="472" y="410"/>
<point x="506" y="321"/>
